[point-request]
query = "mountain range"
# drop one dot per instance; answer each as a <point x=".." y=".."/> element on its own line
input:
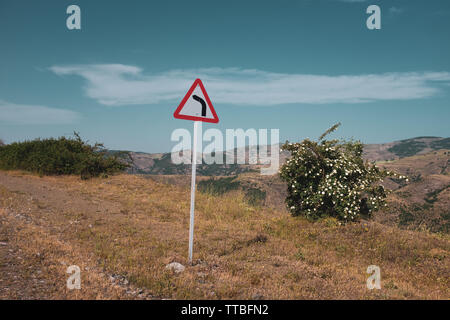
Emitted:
<point x="161" y="163"/>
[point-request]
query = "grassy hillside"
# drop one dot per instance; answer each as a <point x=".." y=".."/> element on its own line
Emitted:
<point x="144" y="163"/>
<point x="405" y="148"/>
<point x="424" y="203"/>
<point x="123" y="231"/>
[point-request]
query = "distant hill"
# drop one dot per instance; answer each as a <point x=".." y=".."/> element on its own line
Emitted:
<point x="424" y="202"/>
<point x="161" y="164"/>
<point x="404" y="148"/>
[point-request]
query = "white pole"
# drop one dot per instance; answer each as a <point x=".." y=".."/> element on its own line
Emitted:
<point x="194" y="167"/>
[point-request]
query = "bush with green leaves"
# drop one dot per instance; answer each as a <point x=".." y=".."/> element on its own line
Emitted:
<point x="61" y="156"/>
<point x="255" y="197"/>
<point x="329" y="178"/>
<point x="218" y="186"/>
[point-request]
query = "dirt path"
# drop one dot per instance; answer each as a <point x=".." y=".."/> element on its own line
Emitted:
<point x="35" y="251"/>
<point x="18" y="279"/>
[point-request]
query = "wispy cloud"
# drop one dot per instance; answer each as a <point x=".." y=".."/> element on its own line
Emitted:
<point x="117" y="84"/>
<point x="12" y="113"/>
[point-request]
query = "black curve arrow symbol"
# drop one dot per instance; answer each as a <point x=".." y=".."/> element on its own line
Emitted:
<point x="197" y="98"/>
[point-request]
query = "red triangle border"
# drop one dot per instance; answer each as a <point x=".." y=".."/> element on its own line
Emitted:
<point x="177" y="114"/>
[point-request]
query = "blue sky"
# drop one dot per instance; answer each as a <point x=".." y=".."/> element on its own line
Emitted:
<point x="299" y="66"/>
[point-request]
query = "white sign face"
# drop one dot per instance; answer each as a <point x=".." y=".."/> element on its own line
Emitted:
<point x="196" y="105"/>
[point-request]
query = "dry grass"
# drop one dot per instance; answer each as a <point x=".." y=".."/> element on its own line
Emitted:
<point x="134" y="227"/>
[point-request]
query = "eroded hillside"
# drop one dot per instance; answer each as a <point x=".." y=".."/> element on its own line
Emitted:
<point x="161" y="163"/>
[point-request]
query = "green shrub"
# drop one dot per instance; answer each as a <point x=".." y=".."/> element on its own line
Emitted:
<point x="61" y="156"/>
<point x="441" y="144"/>
<point x="218" y="186"/>
<point x="330" y="178"/>
<point x="407" y="148"/>
<point x="405" y="217"/>
<point x="255" y="197"/>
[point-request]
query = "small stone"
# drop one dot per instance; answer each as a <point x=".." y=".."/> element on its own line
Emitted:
<point x="176" y="267"/>
<point x="257" y="296"/>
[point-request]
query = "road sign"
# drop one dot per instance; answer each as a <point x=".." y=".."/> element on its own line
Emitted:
<point x="196" y="105"/>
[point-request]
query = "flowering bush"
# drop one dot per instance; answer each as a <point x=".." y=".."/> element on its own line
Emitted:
<point x="330" y="178"/>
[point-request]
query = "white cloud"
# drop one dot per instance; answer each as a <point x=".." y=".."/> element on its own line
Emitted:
<point x="12" y="113"/>
<point x="116" y="84"/>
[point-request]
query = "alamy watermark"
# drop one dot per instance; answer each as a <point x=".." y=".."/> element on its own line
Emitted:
<point x="374" y="281"/>
<point x="74" y="281"/>
<point x="73" y="21"/>
<point x="258" y="151"/>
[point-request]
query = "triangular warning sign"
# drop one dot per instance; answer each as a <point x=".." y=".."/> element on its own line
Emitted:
<point x="196" y="105"/>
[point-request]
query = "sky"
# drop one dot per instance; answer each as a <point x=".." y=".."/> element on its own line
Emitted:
<point x="298" y="66"/>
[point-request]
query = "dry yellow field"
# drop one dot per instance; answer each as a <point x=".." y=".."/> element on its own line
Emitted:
<point x="122" y="231"/>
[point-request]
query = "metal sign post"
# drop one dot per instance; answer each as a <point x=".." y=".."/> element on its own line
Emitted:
<point x="194" y="170"/>
<point x="195" y="106"/>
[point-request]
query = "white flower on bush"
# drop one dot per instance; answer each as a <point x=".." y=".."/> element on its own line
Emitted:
<point x="337" y="183"/>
